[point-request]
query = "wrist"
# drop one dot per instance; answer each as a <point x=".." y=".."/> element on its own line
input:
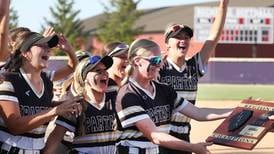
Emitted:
<point x="190" y="147"/>
<point x="70" y="51"/>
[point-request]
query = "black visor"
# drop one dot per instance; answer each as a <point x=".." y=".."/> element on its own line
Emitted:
<point x="36" y="39"/>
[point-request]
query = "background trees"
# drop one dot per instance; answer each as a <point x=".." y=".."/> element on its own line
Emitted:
<point x="119" y="21"/>
<point x="65" y="21"/>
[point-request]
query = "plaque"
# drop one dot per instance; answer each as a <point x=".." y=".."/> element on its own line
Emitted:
<point x="246" y="125"/>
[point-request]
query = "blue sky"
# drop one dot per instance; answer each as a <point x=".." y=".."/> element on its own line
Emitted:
<point x="32" y="12"/>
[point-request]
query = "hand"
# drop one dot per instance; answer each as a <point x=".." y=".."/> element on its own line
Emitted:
<point x="49" y="31"/>
<point x="70" y="106"/>
<point x="224" y="3"/>
<point x="4" y="6"/>
<point x="64" y="45"/>
<point x="201" y="148"/>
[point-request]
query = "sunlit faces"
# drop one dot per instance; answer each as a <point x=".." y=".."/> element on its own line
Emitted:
<point x="179" y="43"/>
<point x="97" y="78"/>
<point x="38" y="56"/>
<point x="119" y="65"/>
<point x="149" y="65"/>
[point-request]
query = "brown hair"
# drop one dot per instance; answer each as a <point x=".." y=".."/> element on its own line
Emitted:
<point x="14" y="34"/>
<point x="16" y="60"/>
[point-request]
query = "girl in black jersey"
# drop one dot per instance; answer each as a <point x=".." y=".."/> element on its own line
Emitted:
<point x="144" y="106"/>
<point x="183" y="72"/>
<point x="26" y="96"/>
<point x="95" y="128"/>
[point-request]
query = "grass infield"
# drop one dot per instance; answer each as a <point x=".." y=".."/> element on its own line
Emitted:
<point x="235" y="92"/>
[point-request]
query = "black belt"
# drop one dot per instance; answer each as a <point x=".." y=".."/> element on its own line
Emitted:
<point x="125" y="150"/>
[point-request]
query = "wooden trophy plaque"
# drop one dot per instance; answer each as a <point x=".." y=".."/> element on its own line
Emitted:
<point x="246" y="125"/>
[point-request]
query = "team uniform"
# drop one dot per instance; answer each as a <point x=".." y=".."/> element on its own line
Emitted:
<point x="18" y="89"/>
<point x="134" y="104"/>
<point x="95" y="130"/>
<point x="184" y="80"/>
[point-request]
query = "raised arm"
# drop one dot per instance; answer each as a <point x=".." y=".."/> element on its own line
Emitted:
<point x="54" y="139"/>
<point x="150" y="131"/>
<point x="4" y="25"/>
<point x="65" y="46"/>
<point x="205" y="114"/>
<point x="215" y="33"/>
<point x="72" y="60"/>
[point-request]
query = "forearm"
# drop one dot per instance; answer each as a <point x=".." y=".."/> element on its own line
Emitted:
<point x="4" y="20"/>
<point x="219" y="22"/>
<point x="168" y="141"/>
<point x="72" y="60"/>
<point x="28" y="123"/>
<point x="149" y="130"/>
<point x="208" y="114"/>
<point x="4" y="8"/>
<point x="68" y="69"/>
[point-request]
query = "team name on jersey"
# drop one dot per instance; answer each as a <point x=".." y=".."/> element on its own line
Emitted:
<point x="180" y="82"/>
<point x="31" y="110"/>
<point x="159" y="113"/>
<point x="100" y="123"/>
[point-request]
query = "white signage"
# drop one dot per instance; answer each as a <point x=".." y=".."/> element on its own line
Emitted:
<point x="248" y="25"/>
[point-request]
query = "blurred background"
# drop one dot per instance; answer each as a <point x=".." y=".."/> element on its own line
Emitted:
<point x="242" y="65"/>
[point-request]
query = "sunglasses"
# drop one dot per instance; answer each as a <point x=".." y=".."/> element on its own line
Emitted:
<point x="120" y="48"/>
<point x="155" y="60"/>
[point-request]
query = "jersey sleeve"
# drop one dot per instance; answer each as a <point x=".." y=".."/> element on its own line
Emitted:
<point x="7" y="92"/>
<point x="129" y="109"/>
<point x="68" y="123"/>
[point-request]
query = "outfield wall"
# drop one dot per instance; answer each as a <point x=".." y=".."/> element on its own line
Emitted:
<point x="240" y="70"/>
<point x="223" y="70"/>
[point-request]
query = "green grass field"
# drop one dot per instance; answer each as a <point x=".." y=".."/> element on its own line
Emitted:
<point x="235" y="92"/>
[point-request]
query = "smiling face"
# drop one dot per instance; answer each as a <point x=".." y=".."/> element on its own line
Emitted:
<point x="38" y="56"/>
<point x="178" y="45"/>
<point x="97" y="78"/>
